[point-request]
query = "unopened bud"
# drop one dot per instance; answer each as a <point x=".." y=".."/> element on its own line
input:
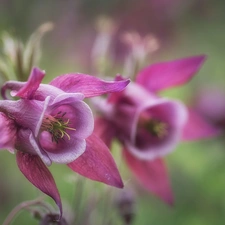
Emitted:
<point x="125" y="204"/>
<point x="52" y="219"/>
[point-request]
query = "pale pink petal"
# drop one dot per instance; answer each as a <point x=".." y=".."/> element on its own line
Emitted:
<point x="152" y="175"/>
<point x="88" y="85"/>
<point x="164" y="75"/>
<point x="198" y="128"/>
<point x="28" y="90"/>
<point x="37" y="173"/>
<point x="97" y="163"/>
<point x="105" y="130"/>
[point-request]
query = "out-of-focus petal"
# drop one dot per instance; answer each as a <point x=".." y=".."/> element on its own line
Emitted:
<point x="164" y="75"/>
<point x="210" y="103"/>
<point x="104" y="130"/>
<point x="152" y="175"/>
<point x="197" y="127"/>
<point x="97" y="163"/>
<point x="88" y="85"/>
<point x="37" y="173"/>
<point x="147" y="147"/>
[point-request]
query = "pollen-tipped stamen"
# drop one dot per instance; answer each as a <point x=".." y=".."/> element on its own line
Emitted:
<point x="57" y="126"/>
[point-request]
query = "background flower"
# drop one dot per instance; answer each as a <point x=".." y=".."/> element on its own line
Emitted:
<point x="149" y="126"/>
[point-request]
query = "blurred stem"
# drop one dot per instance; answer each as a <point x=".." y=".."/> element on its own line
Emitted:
<point x="79" y="194"/>
<point x="24" y="205"/>
<point x="19" y="63"/>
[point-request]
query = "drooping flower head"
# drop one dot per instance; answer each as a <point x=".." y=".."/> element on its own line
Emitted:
<point x="51" y="123"/>
<point x="147" y="125"/>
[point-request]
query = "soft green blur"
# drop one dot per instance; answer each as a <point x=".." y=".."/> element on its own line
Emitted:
<point x="197" y="170"/>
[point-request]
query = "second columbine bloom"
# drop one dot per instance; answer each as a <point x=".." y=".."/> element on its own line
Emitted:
<point x="150" y="126"/>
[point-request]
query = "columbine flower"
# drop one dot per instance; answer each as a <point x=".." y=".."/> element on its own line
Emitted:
<point x="149" y="126"/>
<point x="52" y="123"/>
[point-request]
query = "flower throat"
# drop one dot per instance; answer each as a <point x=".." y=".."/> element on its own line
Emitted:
<point x="57" y="126"/>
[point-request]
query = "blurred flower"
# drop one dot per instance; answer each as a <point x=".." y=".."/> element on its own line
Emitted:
<point x="149" y="126"/>
<point x="52" y="123"/>
<point x="209" y="103"/>
<point x="139" y="50"/>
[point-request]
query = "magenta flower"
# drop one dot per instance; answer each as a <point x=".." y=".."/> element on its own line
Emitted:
<point x="149" y="126"/>
<point x="52" y="123"/>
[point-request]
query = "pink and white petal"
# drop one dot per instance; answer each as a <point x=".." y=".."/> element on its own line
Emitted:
<point x="78" y="112"/>
<point x="152" y="174"/>
<point x="90" y="86"/>
<point x="28" y="90"/>
<point x="63" y="152"/>
<point x="197" y="127"/>
<point x="97" y="163"/>
<point x="37" y="173"/>
<point x="164" y="75"/>
<point x="104" y="130"/>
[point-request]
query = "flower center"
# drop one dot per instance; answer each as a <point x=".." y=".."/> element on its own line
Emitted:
<point x="57" y="126"/>
<point x="155" y="127"/>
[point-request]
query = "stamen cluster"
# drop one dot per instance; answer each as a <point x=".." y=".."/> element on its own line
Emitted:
<point x="57" y="125"/>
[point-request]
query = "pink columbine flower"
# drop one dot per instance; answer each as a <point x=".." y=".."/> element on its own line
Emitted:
<point x="51" y="123"/>
<point x="149" y="126"/>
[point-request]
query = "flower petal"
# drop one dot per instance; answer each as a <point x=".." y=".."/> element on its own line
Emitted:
<point x="97" y="163"/>
<point x="8" y="133"/>
<point x="26" y="142"/>
<point x="147" y="147"/>
<point x="14" y="86"/>
<point x="37" y="173"/>
<point x="197" y="127"/>
<point x="164" y="75"/>
<point x="88" y="85"/>
<point x="63" y="152"/>
<point x="104" y="130"/>
<point x="28" y="90"/>
<point x="152" y="175"/>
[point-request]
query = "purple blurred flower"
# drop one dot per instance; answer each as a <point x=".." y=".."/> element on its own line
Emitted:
<point x="149" y="126"/>
<point x="209" y="103"/>
<point x="52" y="123"/>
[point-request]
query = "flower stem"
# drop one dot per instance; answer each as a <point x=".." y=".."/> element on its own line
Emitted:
<point x="24" y="205"/>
